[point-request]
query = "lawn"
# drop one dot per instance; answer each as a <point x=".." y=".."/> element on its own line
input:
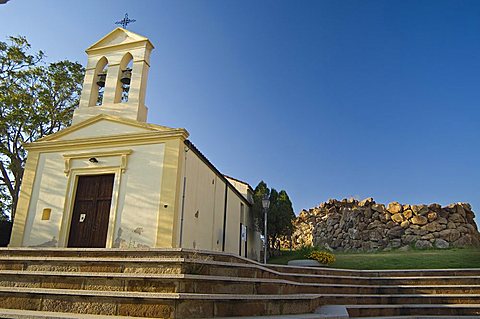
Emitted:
<point x="413" y="259"/>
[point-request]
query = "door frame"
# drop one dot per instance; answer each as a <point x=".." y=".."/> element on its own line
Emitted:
<point x="70" y="201"/>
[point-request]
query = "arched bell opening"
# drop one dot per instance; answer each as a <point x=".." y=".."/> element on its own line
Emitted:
<point x="125" y="78"/>
<point x="100" y="78"/>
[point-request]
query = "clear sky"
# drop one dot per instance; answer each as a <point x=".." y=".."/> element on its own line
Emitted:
<point x="325" y="99"/>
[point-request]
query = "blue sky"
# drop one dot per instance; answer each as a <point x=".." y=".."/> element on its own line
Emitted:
<point x="325" y="99"/>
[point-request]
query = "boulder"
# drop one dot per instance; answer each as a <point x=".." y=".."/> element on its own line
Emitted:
<point x="427" y="236"/>
<point x="405" y="224"/>
<point x="463" y="229"/>
<point x="368" y="213"/>
<point x="395" y="232"/>
<point x="408" y="213"/>
<point x="433" y="227"/>
<point x="461" y="210"/>
<point x="423" y="244"/>
<point x="419" y="220"/>
<point x="420" y="232"/>
<point x="435" y="207"/>
<point x="396" y="243"/>
<point x="431" y="216"/>
<point x="450" y="235"/>
<point x="442" y="220"/>
<point x="420" y="209"/>
<point x="451" y="225"/>
<point x="456" y="218"/>
<point x="375" y="235"/>
<point x="408" y="239"/>
<point x="463" y="241"/>
<point x="398" y="218"/>
<point x="353" y="233"/>
<point x="441" y="243"/>
<point x="394" y="208"/>
<point x="378" y="208"/>
<point x="366" y="202"/>
<point x="385" y="217"/>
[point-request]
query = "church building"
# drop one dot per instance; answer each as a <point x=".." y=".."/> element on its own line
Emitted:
<point x="111" y="180"/>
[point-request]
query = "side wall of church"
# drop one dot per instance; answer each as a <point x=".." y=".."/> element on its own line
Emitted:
<point x="203" y="206"/>
<point x="204" y="211"/>
<point x="135" y="201"/>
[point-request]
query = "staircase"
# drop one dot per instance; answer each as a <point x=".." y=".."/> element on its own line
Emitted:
<point x="182" y="283"/>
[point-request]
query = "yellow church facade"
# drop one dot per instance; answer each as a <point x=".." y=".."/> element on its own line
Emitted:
<point x="111" y="180"/>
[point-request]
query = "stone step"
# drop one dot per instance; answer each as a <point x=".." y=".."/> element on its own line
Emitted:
<point x="32" y="314"/>
<point x="166" y="283"/>
<point x="416" y="310"/>
<point x="123" y="253"/>
<point x="208" y="267"/>
<point x="205" y="256"/>
<point x="396" y="299"/>
<point x="29" y="314"/>
<point x="134" y="265"/>
<point x="450" y="280"/>
<point x="156" y="305"/>
<point x="182" y="305"/>
<point x="188" y="284"/>
<point x="376" y="273"/>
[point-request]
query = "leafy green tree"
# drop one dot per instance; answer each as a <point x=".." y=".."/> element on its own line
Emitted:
<point x="280" y="214"/>
<point x="280" y="218"/>
<point x="36" y="99"/>
<point x="258" y="194"/>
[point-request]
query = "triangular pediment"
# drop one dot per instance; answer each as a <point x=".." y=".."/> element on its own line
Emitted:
<point x="102" y="126"/>
<point x="117" y="37"/>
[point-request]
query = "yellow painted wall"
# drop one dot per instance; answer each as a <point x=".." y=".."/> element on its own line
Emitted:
<point x="103" y="128"/>
<point x="147" y="200"/>
<point x="203" y="206"/>
<point x="233" y="223"/>
<point x="135" y="202"/>
<point x="254" y="245"/>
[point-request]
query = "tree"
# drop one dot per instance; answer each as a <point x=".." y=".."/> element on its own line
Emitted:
<point x="35" y="100"/>
<point x="258" y="194"/>
<point x="280" y="214"/>
<point x="280" y="217"/>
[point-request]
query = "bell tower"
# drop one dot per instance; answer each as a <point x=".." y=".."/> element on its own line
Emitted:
<point x="116" y="77"/>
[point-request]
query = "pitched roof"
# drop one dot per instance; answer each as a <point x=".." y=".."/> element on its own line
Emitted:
<point x="100" y="117"/>
<point x="118" y="36"/>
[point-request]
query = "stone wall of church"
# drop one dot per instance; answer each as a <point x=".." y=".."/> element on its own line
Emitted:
<point x="366" y="226"/>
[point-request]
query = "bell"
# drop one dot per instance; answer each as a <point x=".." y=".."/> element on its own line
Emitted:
<point x="101" y="79"/>
<point x="126" y="76"/>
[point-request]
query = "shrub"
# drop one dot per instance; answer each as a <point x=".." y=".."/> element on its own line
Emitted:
<point x="322" y="257"/>
<point x="304" y="251"/>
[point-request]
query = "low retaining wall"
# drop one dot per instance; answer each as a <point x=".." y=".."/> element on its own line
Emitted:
<point x="367" y="226"/>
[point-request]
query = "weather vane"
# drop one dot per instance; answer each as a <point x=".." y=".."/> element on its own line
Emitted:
<point x="125" y="21"/>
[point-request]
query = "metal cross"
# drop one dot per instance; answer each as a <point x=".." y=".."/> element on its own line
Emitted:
<point x="125" y="21"/>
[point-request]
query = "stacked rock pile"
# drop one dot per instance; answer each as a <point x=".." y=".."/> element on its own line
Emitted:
<point x="364" y="225"/>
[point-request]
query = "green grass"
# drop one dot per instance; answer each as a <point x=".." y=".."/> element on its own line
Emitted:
<point x="413" y="259"/>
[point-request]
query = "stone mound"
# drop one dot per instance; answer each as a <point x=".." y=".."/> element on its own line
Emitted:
<point x="353" y="225"/>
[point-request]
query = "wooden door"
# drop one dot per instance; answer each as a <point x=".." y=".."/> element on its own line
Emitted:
<point x="91" y="211"/>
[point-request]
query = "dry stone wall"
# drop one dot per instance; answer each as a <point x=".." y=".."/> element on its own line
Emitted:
<point x="364" y="225"/>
